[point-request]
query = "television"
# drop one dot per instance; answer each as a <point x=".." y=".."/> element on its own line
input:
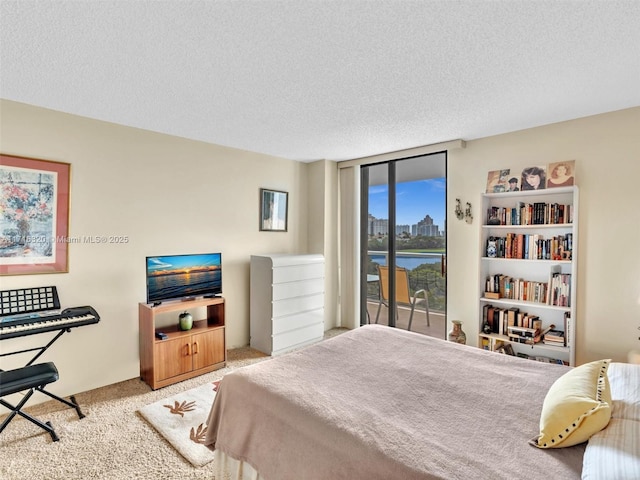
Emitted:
<point x="174" y="277"/>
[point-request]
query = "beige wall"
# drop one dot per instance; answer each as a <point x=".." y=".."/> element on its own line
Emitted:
<point x="168" y="195"/>
<point x="172" y="195"/>
<point x="323" y="229"/>
<point x="606" y="149"/>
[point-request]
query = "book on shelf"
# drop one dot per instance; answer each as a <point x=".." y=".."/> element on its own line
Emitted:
<point x="497" y="324"/>
<point x="522" y="331"/>
<point x="560" y="289"/>
<point x="555" y="337"/>
<point x="542" y="359"/>
<point x="512" y="316"/>
<point x="519" y="339"/>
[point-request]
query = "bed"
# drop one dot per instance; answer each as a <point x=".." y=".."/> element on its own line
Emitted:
<point x="380" y="403"/>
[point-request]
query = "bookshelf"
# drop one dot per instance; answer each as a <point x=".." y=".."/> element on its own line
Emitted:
<point x="528" y="272"/>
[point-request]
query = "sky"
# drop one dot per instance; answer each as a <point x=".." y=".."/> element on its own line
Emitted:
<point x="182" y="261"/>
<point x="414" y="200"/>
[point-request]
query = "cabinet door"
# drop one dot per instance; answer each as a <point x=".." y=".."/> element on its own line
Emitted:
<point x="173" y="357"/>
<point x="208" y="348"/>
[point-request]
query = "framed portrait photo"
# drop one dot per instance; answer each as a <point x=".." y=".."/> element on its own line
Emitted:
<point x="561" y="174"/>
<point x="34" y="215"/>
<point x="273" y="210"/>
<point x="534" y="178"/>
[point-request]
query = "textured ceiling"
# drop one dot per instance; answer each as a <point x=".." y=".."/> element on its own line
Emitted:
<point x="336" y="80"/>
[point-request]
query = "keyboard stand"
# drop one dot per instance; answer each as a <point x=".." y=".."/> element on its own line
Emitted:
<point x="40" y="350"/>
<point x="32" y="377"/>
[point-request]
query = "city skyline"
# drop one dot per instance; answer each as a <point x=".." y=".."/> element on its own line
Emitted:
<point x="414" y="200"/>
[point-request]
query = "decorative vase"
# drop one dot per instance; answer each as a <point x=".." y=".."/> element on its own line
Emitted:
<point x="456" y="334"/>
<point x="185" y="321"/>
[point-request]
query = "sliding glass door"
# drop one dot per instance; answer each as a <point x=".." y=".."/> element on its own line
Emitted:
<point x="403" y="243"/>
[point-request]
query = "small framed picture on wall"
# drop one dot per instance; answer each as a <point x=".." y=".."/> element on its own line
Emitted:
<point x="273" y="210"/>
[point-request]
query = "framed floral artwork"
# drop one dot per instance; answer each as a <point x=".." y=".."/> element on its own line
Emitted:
<point x="34" y="215"/>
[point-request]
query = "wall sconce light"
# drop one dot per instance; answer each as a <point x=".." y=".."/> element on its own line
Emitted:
<point x="459" y="212"/>
<point x="467" y="214"/>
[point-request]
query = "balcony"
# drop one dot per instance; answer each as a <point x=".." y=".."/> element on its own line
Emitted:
<point x="425" y="272"/>
<point x="419" y="325"/>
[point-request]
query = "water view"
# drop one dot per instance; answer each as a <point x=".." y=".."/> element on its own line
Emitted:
<point x="407" y="261"/>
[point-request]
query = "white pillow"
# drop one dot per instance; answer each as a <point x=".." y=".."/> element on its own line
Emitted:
<point x="613" y="453"/>
<point x="625" y="390"/>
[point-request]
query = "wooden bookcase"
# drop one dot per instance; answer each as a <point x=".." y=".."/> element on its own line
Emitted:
<point x="530" y="271"/>
<point x="183" y="354"/>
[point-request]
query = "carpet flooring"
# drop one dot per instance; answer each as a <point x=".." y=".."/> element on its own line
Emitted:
<point x="113" y="441"/>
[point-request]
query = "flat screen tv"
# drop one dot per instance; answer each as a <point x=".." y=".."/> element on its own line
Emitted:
<point x="173" y="277"/>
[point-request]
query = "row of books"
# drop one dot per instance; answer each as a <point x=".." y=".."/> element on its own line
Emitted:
<point x="538" y="213"/>
<point x="504" y="286"/>
<point x="531" y="247"/>
<point x="510" y="321"/>
<point x="542" y="359"/>
<point x="560" y="289"/>
<point x="507" y="349"/>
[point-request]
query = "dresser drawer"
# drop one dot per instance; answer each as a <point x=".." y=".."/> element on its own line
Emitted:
<point x="298" y="272"/>
<point x="298" y="337"/>
<point x="300" y="320"/>
<point x="283" y="291"/>
<point x="291" y="306"/>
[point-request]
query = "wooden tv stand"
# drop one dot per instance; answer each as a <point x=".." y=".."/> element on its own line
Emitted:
<point x="183" y="354"/>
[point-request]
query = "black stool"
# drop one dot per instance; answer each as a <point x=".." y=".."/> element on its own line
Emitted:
<point x="32" y="377"/>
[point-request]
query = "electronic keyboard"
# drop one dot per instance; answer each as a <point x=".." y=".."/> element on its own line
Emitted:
<point x="47" y="321"/>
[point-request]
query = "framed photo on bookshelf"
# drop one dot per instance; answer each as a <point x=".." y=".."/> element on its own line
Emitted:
<point x="561" y="174"/>
<point x="534" y="178"/>
<point x="34" y="206"/>
<point x="498" y="181"/>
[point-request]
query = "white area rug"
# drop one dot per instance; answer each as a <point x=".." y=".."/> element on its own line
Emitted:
<point x="181" y="420"/>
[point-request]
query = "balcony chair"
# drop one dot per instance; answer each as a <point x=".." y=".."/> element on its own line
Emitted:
<point x="31" y="378"/>
<point x="402" y="293"/>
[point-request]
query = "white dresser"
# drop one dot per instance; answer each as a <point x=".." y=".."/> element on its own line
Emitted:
<point x="287" y="301"/>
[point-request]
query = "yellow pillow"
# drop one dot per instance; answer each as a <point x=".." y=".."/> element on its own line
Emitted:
<point x="577" y="405"/>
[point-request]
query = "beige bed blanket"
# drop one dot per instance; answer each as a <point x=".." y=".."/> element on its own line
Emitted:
<point x="382" y="403"/>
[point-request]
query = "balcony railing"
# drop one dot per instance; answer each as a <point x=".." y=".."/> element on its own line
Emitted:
<point x="425" y="272"/>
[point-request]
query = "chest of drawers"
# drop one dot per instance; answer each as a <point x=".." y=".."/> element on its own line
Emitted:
<point x="287" y="301"/>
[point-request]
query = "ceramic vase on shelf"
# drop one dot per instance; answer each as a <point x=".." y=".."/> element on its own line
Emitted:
<point x="185" y="321"/>
<point x="456" y="334"/>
